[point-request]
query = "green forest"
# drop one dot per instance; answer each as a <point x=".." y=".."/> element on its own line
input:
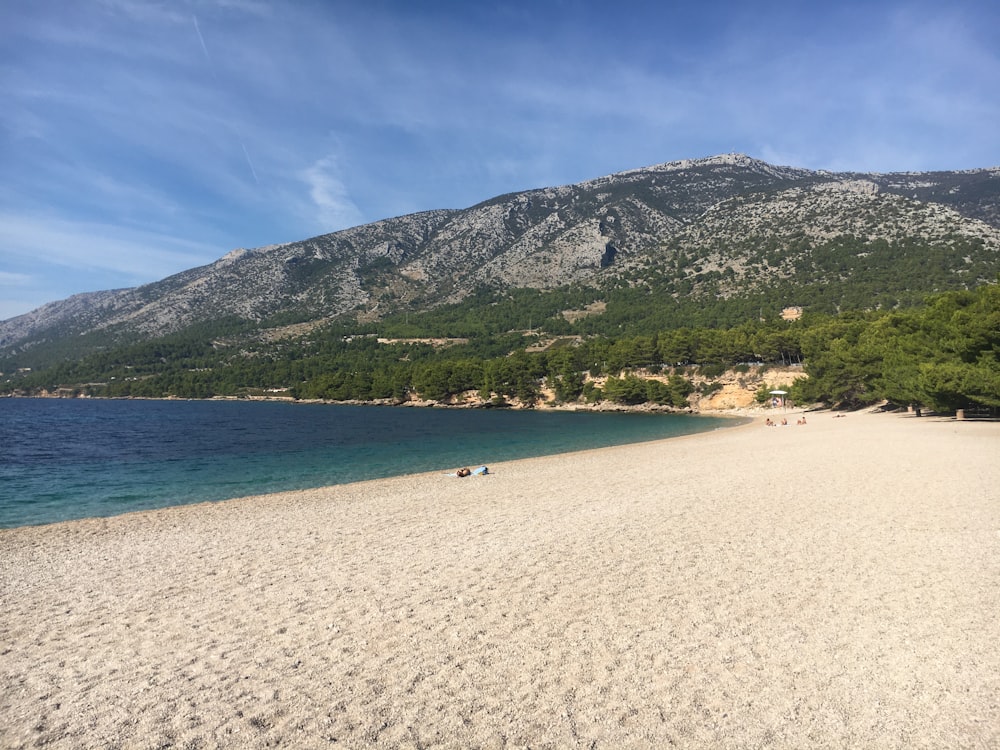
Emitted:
<point x="943" y="354"/>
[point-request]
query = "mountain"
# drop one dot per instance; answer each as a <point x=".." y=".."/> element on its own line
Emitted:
<point x="719" y="228"/>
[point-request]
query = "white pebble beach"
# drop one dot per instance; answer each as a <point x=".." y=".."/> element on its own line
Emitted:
<point x="834" y="585"/>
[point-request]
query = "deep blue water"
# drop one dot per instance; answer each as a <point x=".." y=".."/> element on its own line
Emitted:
<point x="64" y="459"/>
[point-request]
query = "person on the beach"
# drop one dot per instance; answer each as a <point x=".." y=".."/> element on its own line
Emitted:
<point x="464" y="472"/>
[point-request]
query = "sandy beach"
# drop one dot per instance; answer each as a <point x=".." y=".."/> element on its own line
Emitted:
<point x="830" y="585"/>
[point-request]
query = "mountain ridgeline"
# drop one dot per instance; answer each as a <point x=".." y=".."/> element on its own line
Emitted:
<point x="701" y="242"/>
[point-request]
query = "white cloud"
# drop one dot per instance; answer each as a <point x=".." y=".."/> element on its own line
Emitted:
<point x="334" y="208"/>
<point x="45" y="258"/>
<point x="141" y="255"/>
<point x="14" y="279"/>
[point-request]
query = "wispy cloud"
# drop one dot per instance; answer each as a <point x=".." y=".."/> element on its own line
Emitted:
<point x="14" y="279"/>
<point x="334" y="208"/>
<point x="204" y="47"/>
<point x="48" y="258"/>
<point x="77" y="245"/>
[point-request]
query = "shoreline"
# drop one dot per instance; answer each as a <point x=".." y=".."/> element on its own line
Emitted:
<point x="542" y="406"/>
<point x="734" y="389"/>
<point x="155" y="474"/>
<point x="834" y="583"/>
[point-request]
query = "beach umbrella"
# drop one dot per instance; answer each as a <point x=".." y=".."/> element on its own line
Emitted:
<point x="780" y="394"/>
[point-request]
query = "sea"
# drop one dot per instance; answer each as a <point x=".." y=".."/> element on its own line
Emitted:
<point x="63" y="459"/>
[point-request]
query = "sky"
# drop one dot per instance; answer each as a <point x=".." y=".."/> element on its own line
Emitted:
<point x="140" y="138"/>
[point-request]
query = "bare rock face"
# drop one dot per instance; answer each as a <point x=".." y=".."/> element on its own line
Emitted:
<point x="701" y="213"/>
<point x="862" y="187"/>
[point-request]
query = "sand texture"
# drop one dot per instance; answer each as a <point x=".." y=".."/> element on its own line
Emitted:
<point x="832" y="585"/>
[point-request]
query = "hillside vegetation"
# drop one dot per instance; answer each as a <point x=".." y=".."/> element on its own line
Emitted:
<point x="944" y="355"/>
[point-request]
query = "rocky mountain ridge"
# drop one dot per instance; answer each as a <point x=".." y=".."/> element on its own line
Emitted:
<point x="731" y="220"/>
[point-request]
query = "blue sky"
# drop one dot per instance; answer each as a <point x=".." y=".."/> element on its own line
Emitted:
<point x="142" y="138"/>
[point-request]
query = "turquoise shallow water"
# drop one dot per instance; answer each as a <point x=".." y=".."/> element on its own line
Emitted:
<point x="65" y="459"/>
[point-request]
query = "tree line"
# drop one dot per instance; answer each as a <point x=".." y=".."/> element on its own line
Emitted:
<point x="945" y="355"/>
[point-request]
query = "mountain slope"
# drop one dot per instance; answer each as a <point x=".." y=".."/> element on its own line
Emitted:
<point x="720" y="227"/>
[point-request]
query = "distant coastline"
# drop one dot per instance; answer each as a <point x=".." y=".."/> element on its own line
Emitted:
<point x="732" y="392"/>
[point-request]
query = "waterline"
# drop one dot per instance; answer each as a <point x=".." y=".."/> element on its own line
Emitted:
<point x="67" y="459"/>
